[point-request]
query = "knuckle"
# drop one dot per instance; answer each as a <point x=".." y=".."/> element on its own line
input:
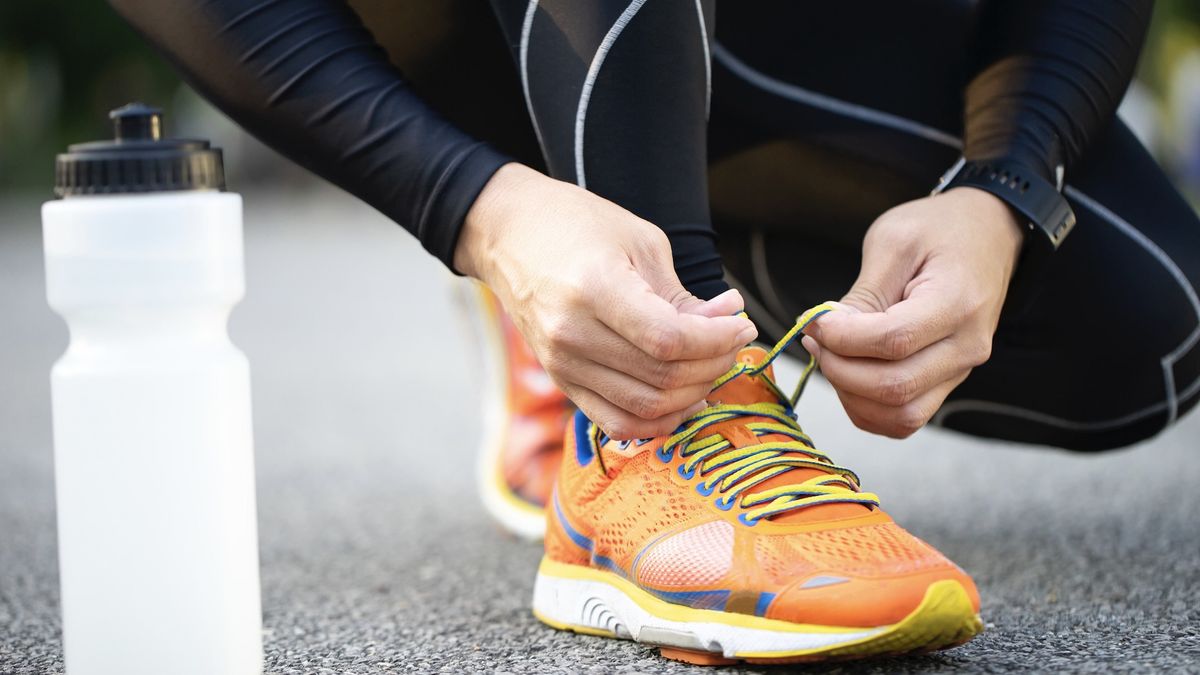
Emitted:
<point x="909" y="421"/>
<point x="557" y="332"/>
<point x="898" y="342"/>
<point x="979" y="352"/>
<point x="616" y="427"/>
<point x="865" y="295"/>
<point x="860" y="422"/>
<point x="898" y="389"/>
<point x="974" y="304"/>
<point x="649" y="405"/>
<point x="555" y="362"/>
<point x="576" y="292"/>
<point x="669" y="375"/>
<point x="663" y="342"/>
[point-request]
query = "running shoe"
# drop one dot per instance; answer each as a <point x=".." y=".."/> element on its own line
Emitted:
<point x="735" y="539"/>
<point x="525" y="418"/>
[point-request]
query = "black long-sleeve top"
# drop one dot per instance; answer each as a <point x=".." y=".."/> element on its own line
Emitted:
<point x="309" y="79"/>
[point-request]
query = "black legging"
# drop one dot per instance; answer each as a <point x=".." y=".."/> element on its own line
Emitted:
<point x="1102" y="357"/>
<point x="822" y="116"/>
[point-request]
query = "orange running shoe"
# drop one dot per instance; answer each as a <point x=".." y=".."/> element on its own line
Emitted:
<point x="735" y="539"/>
<point x="524" y="422"/>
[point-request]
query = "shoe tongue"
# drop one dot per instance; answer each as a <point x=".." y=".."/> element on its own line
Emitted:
<point x="746" y="389"/>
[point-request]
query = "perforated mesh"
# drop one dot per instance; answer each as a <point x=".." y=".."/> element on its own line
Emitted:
<point x="699" y="556"/>
<point x="640" y="504"/>
<point x="872" y="550"/>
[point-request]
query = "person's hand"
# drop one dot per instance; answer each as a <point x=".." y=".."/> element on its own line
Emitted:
<point x="593" y="290"/>
<point x="922" y="313"/>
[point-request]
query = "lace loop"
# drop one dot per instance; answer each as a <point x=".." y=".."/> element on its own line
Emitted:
<point x="734" y="472"/>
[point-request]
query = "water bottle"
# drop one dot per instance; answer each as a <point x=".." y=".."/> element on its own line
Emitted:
<point x="154" y="464"/>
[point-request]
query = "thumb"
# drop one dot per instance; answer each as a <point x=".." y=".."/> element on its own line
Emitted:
<point x="881" y="281"/>
<point x="656" y="265"/>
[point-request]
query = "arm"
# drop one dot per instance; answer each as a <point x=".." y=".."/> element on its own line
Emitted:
<point x="307" y="78"/>
<point x="936" y="271"/>
<point x="1050" y="75"/>
<point x="589" y="284"/>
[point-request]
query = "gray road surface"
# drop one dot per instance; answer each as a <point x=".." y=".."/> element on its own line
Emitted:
<point x="377" y="558"/>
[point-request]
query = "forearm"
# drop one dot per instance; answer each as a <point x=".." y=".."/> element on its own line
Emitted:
<point x="1050" y="74"/>
<point x="308" y="79"/>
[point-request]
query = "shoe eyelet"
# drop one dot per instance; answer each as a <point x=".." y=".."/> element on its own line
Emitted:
<point x="725" y="503"/>
<point x="748" y="522"/>
<point x="705" y="489"/>
<point x="687" y="475"/>
<point x="664" y="457"/>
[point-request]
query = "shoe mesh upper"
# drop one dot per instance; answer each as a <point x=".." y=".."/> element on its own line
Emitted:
<point x="870" y="550"/>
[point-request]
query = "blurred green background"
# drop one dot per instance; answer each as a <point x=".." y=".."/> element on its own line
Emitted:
<point x="59" y="78"/>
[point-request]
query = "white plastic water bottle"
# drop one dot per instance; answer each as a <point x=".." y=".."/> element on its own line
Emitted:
<point x="154" y="465"/>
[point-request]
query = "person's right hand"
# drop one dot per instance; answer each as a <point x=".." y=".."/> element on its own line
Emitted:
<point x="593" y="290"/>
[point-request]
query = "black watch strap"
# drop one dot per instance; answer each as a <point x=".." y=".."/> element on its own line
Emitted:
<point x="1029" y="194"/>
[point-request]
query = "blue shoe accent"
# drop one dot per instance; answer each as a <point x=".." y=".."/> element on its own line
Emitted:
<point x="695" y="599"/>
<point x="687" y="475"/>
<point x="748" y="522"/>
<point x="584" y="450"/>
<point x="582" y="541"/>
<point x="764" y="601"/>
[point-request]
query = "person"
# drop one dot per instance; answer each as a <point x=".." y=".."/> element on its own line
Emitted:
<point x="580" y="160"/>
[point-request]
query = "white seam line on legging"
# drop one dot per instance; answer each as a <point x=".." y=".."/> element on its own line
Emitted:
<point x="762" y="273"/>
<point x="707" y="60"/>
<point x="526" y="31"/>
<point x="1168" y="360"/>
<point x="800" y="95"/>
<point x="792" y="92"/>
<point x="593" y="72"/>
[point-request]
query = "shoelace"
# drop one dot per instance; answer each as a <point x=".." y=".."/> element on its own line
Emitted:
<point x="733" y="472"/>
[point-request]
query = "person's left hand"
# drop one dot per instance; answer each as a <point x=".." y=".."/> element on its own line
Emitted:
<point x="922" y="313"/>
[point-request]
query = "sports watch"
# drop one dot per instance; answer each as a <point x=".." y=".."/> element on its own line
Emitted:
<point x="1047" y="215"/>
<point x="1049" y="218"/>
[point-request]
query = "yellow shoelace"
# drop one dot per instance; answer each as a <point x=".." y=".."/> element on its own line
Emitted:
<point x="732" y="472"/>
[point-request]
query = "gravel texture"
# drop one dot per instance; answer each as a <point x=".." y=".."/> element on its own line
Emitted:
<point x="377" y="558"/>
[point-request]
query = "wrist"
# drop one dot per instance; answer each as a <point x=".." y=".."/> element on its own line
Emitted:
<point x="488" y="219"/>
<point x="1005" y="221"/>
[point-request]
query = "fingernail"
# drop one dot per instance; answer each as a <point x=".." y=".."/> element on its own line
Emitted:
<point x="717" y="297"/>
<point x="695" y="409"/>
<point x="811" y="346"/>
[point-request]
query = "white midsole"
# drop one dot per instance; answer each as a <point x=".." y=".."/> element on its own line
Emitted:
<point x="601" y="606"/>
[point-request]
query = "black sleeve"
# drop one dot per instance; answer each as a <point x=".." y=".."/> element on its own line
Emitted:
<point x="1051" y="76"/>
<point x="307" y="78"/>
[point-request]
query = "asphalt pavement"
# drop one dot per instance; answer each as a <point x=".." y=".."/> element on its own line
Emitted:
<point x="377" y="557"/>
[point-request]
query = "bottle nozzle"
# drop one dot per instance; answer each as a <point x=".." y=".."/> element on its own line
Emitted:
<point x="137" y="122"/>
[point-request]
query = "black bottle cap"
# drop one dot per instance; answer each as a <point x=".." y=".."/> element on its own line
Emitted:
<point x="138" y="159"/>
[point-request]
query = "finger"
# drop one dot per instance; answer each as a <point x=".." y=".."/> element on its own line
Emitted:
<point x="895" y="383"/>
<point x="603" y="346"/>
<point x="902" y="330"/>
<point x="726" y="304"/>
<point x="635" y="396"/>
<point x="650" y="323"/>
<point x="620" y="424"/>
<point x="897" y="421"/>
